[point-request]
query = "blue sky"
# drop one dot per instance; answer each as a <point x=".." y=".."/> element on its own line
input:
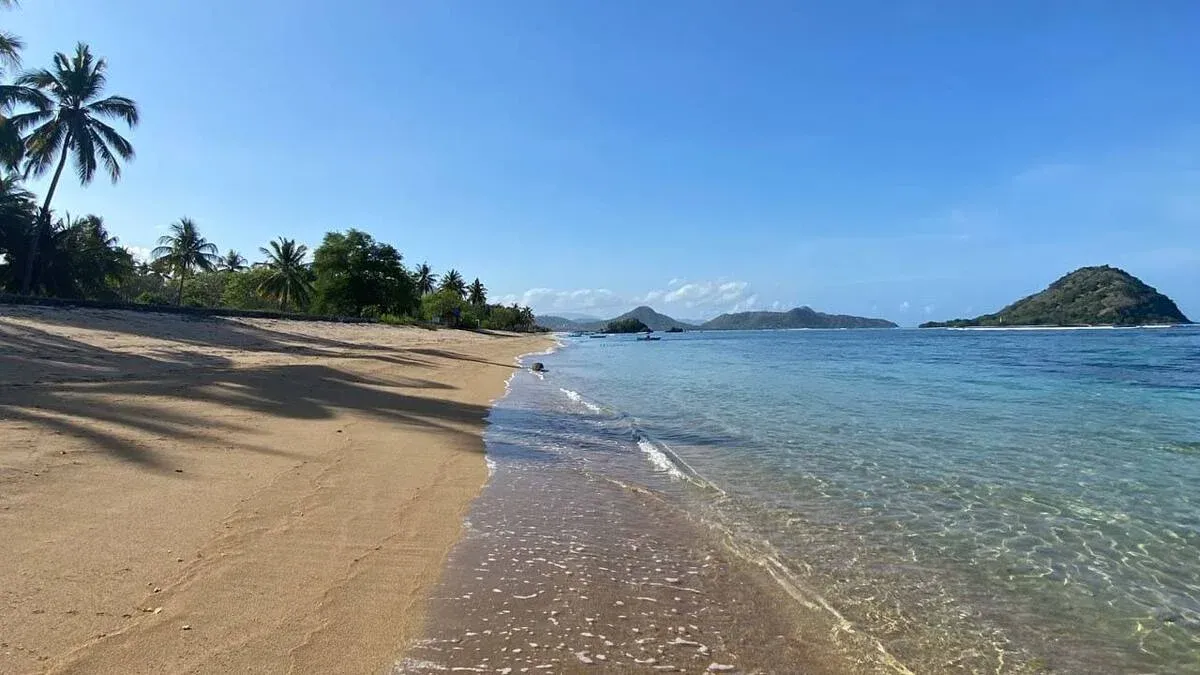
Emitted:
<point x="910" y="160"/>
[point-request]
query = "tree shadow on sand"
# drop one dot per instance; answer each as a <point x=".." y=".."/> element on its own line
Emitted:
<point x="221" y="333"/>
<point x="104" y="396"/>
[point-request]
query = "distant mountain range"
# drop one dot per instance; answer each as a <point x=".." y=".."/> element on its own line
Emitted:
<point x="800" y="317"/>
<point x="1089" y="296"/>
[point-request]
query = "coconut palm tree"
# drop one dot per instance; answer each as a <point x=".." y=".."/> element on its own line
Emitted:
<point x="426" y="279"/>
<point x="72" y="125"/>
<point x="11" y="146"/>
<point x="184" y="250"/>
<point x="477" y="293"/>
<point x="453" y="281"/>
<point x="289" y="280"/>
<point x="232" y="261"/>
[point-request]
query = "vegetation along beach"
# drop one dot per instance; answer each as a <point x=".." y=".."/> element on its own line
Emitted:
<point x="622" y="337"/>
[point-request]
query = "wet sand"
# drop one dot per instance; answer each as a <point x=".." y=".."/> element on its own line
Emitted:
<point x="565" y="572"/>
<point x="214" y="495"/>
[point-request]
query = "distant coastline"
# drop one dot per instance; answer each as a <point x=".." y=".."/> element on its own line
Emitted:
<point x="797" y="318"/>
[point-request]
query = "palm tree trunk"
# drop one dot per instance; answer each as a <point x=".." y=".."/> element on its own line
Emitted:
<point x="43" y="225"/>
<point x="179" y="298"/>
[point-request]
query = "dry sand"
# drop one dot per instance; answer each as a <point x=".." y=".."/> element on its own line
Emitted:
<point x="217" y="495"/>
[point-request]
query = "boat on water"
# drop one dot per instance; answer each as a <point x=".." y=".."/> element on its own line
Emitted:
<point x="577" y="333"/>
<point x="649" y="338"/>
<point x="598" y="335"/>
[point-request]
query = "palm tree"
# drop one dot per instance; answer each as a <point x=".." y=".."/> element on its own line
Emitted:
<point x="184" y="250"/>
<point x="232" y="261"/>
<point x="453" y="281"/>
<point x="477" y="293"/>
<point x="426" y="279"/>
<point x="72" y="125"/>
<point x="289" y="280"/>
<point x="11" y="145"/>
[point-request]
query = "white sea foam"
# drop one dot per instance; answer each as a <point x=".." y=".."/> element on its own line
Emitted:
<point x="659" y="459"/>
<point x="576" y="397"/>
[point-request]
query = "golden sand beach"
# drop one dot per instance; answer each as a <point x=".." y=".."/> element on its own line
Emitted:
<point x="220" y="495"/>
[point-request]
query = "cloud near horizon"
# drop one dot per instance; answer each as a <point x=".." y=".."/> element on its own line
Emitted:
<point x="702" y="298"/>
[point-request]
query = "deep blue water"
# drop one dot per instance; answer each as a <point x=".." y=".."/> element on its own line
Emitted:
<point x="1025" y="495"/>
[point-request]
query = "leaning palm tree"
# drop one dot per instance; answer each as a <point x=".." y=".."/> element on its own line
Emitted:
<point x="477" y="293"/>
<point x="426" y="279"/>
<point x="453" y="281"/>
<point x="288" y="281"/>
<point x="72" y="125"/>
<point x="184" y="250"/>
<point x="232" y="261"/>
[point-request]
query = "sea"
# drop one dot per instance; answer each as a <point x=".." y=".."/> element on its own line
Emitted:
<point x="956" y="500"/>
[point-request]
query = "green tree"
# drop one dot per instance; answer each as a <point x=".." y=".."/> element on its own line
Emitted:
<point x="232" y="261"/>
<point x="18" y="217"/>
<point x="445" y="307"/>
<point x="426" y="279"/>
<point x="12" y="147"/>
<point x="453" y="281"/>
<point x="630" y="325"/>
<point x="477" y="293"/>
<point x="357" y="276"/>
<point x="512" y="318"/>
<point x="241" y="289"/>
<point x="144" y="284"/>
<point x="79" y="259"/>
<point x="183" y="251"/>
<point x="206" y="289"/>
<point x="289" y="280"/>
<point x="72" y="125"/>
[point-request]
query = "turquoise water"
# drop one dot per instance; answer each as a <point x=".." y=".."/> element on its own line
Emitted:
<point x="1005" y="498"/>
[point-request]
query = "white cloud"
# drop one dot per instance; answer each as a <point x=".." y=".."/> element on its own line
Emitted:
<point x="691" y="298"/>
<point x="704" y="294"/>
<point x="139" y="253"/>
<point x="928" y="309"/>
<point x="904" y="306"/>
<point x="548" y="300"/>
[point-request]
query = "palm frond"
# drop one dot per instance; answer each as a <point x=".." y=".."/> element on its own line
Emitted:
<point x="11" y="94"/>
<point x="10" y="49"/>
<point x="117" y="107"/>
<point x="42" y="147"/>
<point x="114" y="140"/>
<point x="85" y="153"/>
<point x="111" y="165"/>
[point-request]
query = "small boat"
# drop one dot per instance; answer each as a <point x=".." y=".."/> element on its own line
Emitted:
<point x="598" y="335"/>
<point x="649" y="338"/>
<point x="577" y="333"/>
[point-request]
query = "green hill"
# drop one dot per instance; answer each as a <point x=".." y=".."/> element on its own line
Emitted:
<point x="652" y="319"/>
<point x="626" y="325"/>
<point x="800" y="317"/>
<point x="1089" y="296"/>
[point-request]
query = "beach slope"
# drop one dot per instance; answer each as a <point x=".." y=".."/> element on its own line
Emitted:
<point x="182" y="494"/>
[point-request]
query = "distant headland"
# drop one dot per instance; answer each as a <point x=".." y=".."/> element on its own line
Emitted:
<point x="1089" y="296"/>
<point x="800" y="317"/>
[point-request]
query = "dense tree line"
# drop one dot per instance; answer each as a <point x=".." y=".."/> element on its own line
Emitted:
<point x="61" y="115"/>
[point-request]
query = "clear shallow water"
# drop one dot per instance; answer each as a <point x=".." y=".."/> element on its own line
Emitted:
<point x="969" y="500"/>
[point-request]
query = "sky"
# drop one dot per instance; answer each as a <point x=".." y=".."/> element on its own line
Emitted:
<point x="901" y="159"/>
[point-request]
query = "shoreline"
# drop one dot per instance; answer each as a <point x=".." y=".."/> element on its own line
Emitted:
<point x="231" y="494"/>
<point x="598" y="574"/>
